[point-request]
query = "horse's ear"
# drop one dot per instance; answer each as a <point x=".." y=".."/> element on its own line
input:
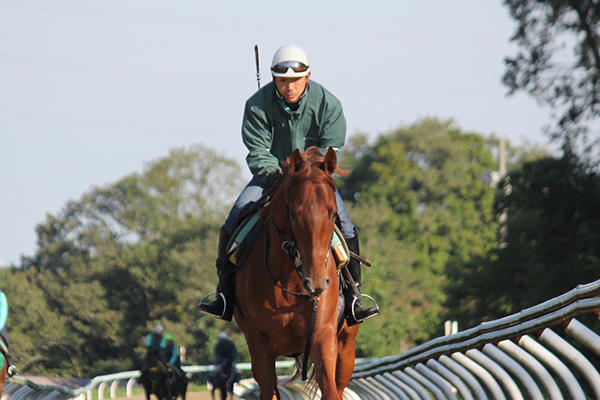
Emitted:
<point x="330" y="162"/>
<point x="296" y="160"/>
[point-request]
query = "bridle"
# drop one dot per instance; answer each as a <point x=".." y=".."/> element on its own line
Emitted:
<point x="289" y="247"/>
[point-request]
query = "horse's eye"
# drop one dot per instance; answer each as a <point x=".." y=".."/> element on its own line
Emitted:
<point x="333" y="216"/>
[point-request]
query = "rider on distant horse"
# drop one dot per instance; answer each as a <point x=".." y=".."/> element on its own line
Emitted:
<point x="224" y="350"/>
<point x="171" y="355"/>
<point x="153" y="343"/>
<point x="12" y="370"/>
<point x="292" y="112"/>
<point x="225" y="374"/>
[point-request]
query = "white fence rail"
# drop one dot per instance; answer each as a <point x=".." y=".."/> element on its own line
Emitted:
<point x="544" y="352"/>
<point x="18" y="388"/>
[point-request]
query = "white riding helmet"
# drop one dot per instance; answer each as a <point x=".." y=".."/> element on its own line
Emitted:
<point x="290" y="61"/>
<point x="158" y="329"/>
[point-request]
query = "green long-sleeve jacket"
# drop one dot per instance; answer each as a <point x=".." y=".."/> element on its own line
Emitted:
<point x="272" y="131"/>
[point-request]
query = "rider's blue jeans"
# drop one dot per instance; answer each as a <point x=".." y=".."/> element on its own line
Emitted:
<point x="254" y="191"/>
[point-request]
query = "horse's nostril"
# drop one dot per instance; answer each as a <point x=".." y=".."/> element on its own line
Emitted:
<point x="306" y="283"/>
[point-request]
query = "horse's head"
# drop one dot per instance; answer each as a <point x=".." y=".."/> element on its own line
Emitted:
<point x="311" y="212"/>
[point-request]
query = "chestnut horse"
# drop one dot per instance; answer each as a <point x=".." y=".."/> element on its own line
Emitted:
<point x="288" y="286"/>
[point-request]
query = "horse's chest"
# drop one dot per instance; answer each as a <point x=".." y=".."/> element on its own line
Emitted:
<point x="288" y="322"/>
<point x="284" y="333"/>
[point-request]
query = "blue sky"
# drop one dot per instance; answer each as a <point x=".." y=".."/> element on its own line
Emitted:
<point x="90" y="90"/>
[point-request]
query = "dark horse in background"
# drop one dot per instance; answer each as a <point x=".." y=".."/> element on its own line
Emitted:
<point x="176" y="385"/>
<point x="290" y="279"/>
<point x="223" y="378"/>
<point x="154" y="377"/>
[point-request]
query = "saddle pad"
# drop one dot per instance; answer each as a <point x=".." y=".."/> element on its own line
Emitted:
<point x="241" y="233"/>
<point x="242" y="239"/>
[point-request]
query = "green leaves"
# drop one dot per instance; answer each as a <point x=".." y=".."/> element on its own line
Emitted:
<point x="558" y="63"/>
<point x="549" y="242"/>
<point x="120" y="259"/>
<point x="422" y="211"/>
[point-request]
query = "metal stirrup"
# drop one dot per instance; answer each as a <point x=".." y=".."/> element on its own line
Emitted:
<point x="355" y="299"/>
<point x="219" y="294"/>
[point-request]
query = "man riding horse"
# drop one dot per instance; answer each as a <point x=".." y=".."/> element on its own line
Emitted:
<point x="5" y="368"/>
<point x="176" y="380"/>
<point x="153" y="342"/>
<point x="154" y="352"/>
<point x="224" y="350"/>
<point x="153" y="371"/>
<point x="171" y="355"/>
<point x="225" y="373"/>
<point x="292" y="112"/>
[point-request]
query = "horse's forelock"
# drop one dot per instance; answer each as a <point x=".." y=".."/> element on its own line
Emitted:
<point x="308" y="166"/>
<point x="311" y="170"/>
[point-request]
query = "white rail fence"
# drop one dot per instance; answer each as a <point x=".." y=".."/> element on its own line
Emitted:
<point x="19" y="388"/>
<point x="544" y="352"/>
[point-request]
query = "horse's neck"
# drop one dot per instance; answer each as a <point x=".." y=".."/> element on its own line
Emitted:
<point x="277" y="211"/>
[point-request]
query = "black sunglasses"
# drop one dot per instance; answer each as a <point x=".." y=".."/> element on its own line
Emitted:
<point x="283" y="67"/>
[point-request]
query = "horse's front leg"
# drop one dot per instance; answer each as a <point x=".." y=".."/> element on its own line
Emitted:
<point x="346" y="357"/>
<point x="263" y="371"/>
<point x="324" y="356"/>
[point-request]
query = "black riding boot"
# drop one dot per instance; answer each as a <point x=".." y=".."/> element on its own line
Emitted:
<point x="357" y="311"/>
<point x="222" y="306"/>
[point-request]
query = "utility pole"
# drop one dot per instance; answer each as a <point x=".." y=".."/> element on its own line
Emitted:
<point x="450" y="327"/>
<point x="501" y="174"/>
